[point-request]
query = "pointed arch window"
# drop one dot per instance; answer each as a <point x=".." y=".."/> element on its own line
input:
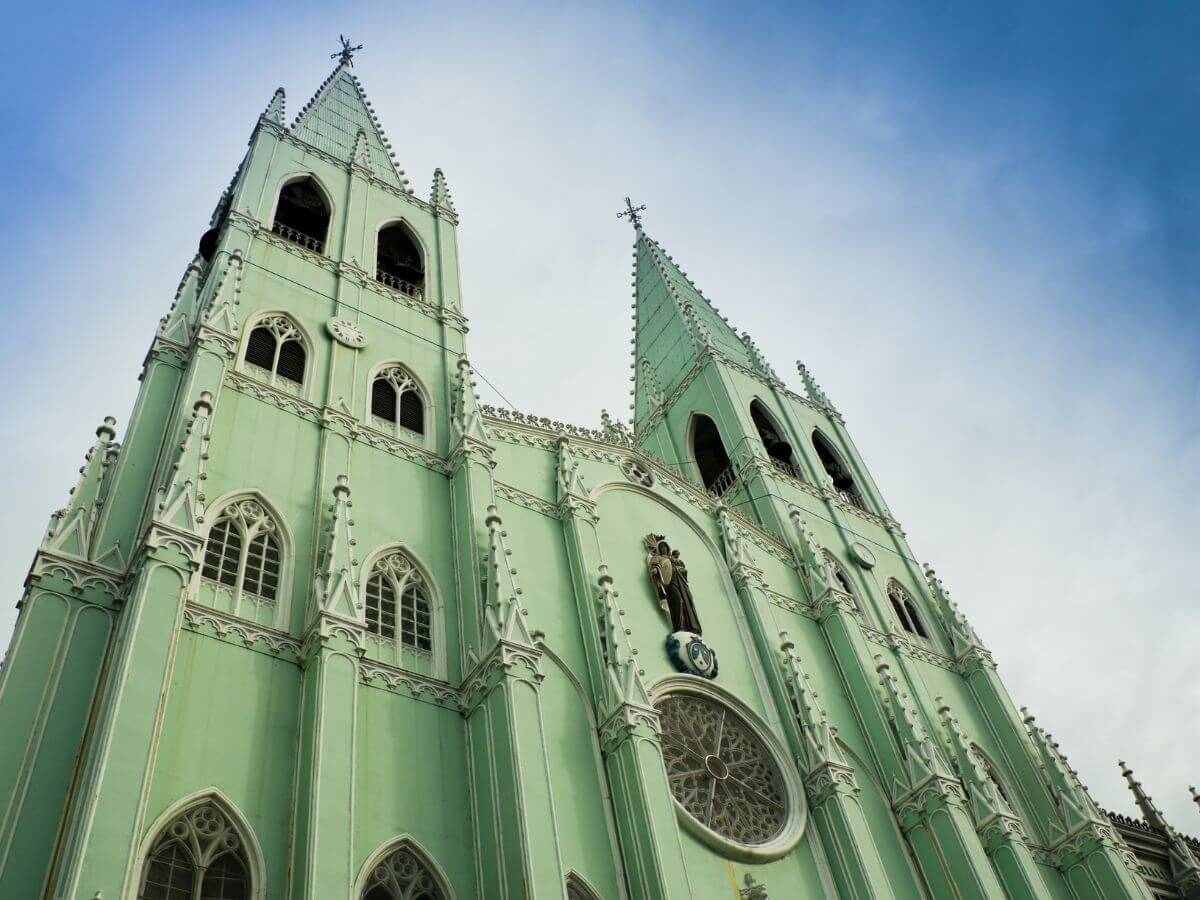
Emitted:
<point x="711" y="458"/>
<point x="906" y="610"/>
<point x="843" y="580"/>
<point x="398" y="603"/>
<point x="198" y="856"/>
<point x="275" y="353"/>
<point x="403" y="875"/>
<point x="243" y="552"/>
<point x="396" y="402"/>
<point x="398" y="260"/>
<point x="302" y="215"/>
<point x="779" y="450"/>
<point x="577" y="889"/>
<point x="839" y="474"/>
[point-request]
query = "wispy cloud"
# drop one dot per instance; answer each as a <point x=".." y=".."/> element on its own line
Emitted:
<point x="979" y="232"/>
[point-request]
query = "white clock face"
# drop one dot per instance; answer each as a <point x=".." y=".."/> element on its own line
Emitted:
<point x="346" y="333"/>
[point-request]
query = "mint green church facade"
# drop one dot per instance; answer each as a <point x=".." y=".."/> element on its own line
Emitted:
<point x="321" y="625"/>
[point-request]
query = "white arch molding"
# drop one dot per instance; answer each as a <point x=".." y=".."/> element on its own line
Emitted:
<point x="426" y="440"/>
<point x="217" y="797"/>
<point x="437" y="606"/>
<point x="326" y="195"/>
<point x="383" y="851"/>
<point x="252" y="321"/>
<point x="287" y="555"/>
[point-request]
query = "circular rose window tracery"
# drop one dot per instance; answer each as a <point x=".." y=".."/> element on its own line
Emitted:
<point x="721" y="772"/>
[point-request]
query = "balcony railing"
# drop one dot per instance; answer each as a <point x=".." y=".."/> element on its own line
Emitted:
<point x="399" y="284"/>
<point x="298" y="237"/>
<point x="853" y="498"/>
<point x="723" y="484"/>
<point x="787" y="468"/>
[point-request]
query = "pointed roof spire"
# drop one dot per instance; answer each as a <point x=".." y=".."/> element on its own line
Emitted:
<point x="986" y="800"/>
<point x="1075" y="804"/>
<point x="275" y="109"/>
<point x="336" y="585"/>
<point x="181" y="501"/>
<point x="924" y="758"/>
<point x="72" y="528"/>
<point x="337" y="112"/>
<point x="1185" y="869"/>
<point x="439" y="195"/>
<point x="820" y="738"/>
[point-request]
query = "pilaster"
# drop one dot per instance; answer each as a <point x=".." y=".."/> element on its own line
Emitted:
<point x="931" y="805"/>
<point x="1185" y="869"/>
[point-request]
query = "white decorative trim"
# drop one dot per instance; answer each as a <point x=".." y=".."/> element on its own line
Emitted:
<point x="403" y="842"/>
<point x="197" y="616"/>
<point x="437" y="606"/>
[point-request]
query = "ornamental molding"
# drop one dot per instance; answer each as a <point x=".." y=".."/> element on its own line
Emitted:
<point x="410" y="684"/>
<point x="783" y="601"/>
<point x="79" y="574"/>
<point x="246" y="385"/>
<point x="828" y="780"/>
<point x="935" y="793"/>
<point x="1090" y="837"/>
<point x="506" y="660"/>
<point x="353" y="272"/>
<point x="167" y="349"/>
<point x="317" y="259"/>
<point x="527" y="500"/>
<point x="974" y="660"/>
<point x="909" y="648"/>
<point x="161" y="536"/>
<point x="1001" y="830"/>
<point x="224" y="344"/>
<point x="329" y="416"/>
<point x="285" y="135"/>
<point x="207" y="620"/>
<point x="629" y="722"/>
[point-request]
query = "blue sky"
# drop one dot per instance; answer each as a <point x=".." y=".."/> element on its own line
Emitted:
<point x="976" y="225"/>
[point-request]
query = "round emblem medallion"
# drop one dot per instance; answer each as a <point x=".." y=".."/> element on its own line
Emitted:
<point x="690" y="654"/>
<point x="346" y="333"/>
<point x="863" y="555"/>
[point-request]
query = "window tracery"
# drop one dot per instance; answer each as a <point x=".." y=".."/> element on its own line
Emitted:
<point x="843" y="579"/>
<point x="242" y="551"/>
<point x="396" y="402"/>
<point x="906" y="610"/>
<point x="398" y="602"/>
<point x="275" y="353"/>
<point x="719" y="770"/>
<point x="402" y="875"/>
<point x="199" y="856"/>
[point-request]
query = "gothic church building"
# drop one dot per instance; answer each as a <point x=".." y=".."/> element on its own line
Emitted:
<point x="321" y="626"/>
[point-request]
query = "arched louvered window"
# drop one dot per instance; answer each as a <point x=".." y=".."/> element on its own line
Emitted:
<point x="906" y="610"/>
<point x="403" y="875"/>
<point x="839" y="474"/>
<point x="198" y="856"/>
<point x="275" y="353"/>
<point x="843" y="580"/>
<point x="398" y="603"/>
<point x="396" y="403"/>
<point x="778" y="449"/>
<point x="711" y="458"/>
<point x="398" y="260"/>
<point x="242" y="551"/>
<point x="302" y="214"/>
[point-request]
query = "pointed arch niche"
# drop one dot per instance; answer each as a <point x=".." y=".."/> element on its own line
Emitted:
<point x="399" y="261"/>
<point x="406" y="621"/>
<point x="712" y="461"/>
<point x="247" y="562"/>
<point x="402" y="870"/>
<point x="200" y="848"/>
<point x="771" y="435"/>
<point x="836" y="469"/>
<point x="578" y="889"/>
<point x="303" y="212"/>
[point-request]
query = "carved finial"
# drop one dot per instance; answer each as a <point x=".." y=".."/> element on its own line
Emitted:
<point x="275" y="109"/>
<point x="752" y="890"/>
<point x="631" y="213"/>
<point x="345" y="56"/>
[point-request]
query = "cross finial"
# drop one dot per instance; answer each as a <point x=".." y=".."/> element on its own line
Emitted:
<point x="631" y="212"/>
<point x="346" y="54"/>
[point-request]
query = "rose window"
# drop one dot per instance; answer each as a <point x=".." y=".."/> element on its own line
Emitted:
<point x="720" y="771"/>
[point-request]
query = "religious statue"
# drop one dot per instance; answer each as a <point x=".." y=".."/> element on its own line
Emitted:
<point x="669" y="576"/>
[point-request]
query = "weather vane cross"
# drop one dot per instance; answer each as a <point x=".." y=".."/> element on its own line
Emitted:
<point x="631" y="212"/>
<point x="346" y="54"/>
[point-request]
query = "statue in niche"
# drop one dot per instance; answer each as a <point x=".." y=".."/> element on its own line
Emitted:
<point x="669" y="576"/>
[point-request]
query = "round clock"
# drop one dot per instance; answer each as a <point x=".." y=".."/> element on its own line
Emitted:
<point x="346" y="333"/>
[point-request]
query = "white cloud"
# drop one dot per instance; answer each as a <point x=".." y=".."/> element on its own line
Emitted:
<point x="1033" y="432"/>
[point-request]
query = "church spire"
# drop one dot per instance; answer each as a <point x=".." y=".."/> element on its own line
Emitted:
<point x="674" y="326"/>
<point x="337" y="112"/>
